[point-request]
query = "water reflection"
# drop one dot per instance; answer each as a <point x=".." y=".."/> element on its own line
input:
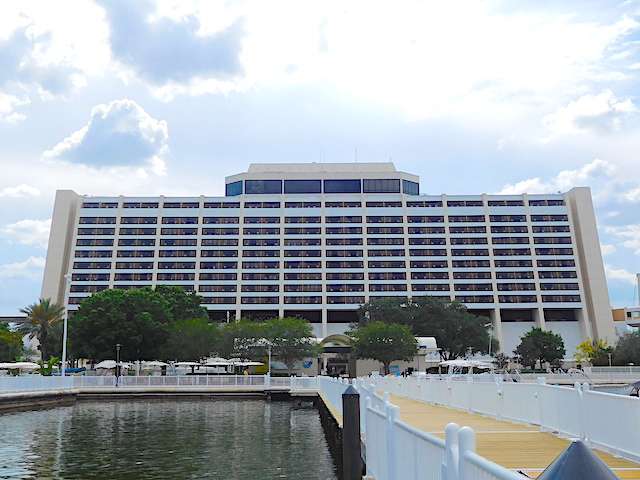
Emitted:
<point x="172" y="439"/>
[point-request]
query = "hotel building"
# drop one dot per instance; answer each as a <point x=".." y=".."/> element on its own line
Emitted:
<point x="318" y="240"/>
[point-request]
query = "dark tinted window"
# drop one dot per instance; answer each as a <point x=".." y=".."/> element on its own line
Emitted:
<point x="381" y="186"/>
<point x="410" y="188"/>
<point x="302" y="186"/>
<point x="342" y="186"/>
<point x="233" y="189"/>
<point x="263" y="186"/>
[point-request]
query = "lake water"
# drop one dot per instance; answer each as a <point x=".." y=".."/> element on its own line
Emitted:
<point x="166" y="439"/>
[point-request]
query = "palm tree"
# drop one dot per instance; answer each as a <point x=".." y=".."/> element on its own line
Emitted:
<point x="41" y="317"/>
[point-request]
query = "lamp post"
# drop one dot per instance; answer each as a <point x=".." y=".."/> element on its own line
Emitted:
<point x="609" y="355"/>
<point x="117" y="362"/>
<point x="490" y="327"/>
<point x="67" y="283"/>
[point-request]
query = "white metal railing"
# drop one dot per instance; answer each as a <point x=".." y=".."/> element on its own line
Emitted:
<point x="34" y="383"/>
<point x="223" y="381"/>
<point x="396" y="450"/>
<point x="607" y="421"/>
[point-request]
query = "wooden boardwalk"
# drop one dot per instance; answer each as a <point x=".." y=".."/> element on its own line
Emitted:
<point x="512" y="445"/>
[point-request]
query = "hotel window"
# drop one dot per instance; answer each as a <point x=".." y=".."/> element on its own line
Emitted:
<point x="217" y="242"/>
<point x="90" y="277"/>
<point x="261" y="204"/>
<point x="508" y="218"/>
<point x="260" y="300"/>
<point x="218" y="300"/>
<point x="303" y="276"/>
<point x="392" y="287"/>
<point x="472" y="287"/>
<point x="474" y="298"/>
<point x="387" y="276"/>
<point x="345" y="300"/>
<point x="133" y="277"/>
<point x="514" y="275"/>
<point x="509" y="229"/>
<point x="96" y="231"/>
<point x="176" y="277"/>
<point x="218" y="276"/>
<point x="180" y="220"/>
<point x="261" y="242"/>
<point x="509" y="252"/>
<point x="222" y="253"/>
<point x="474" y="229"/>
<point x="424" y="204"/>
<point x="261" y="231"/>
<point x="301" y="219"/>
<point x="302" y="231"/>
<point x="302" y="205"/>
<point x="345" y="287"/>
<point x="220" y="220"/>
<point x="513" y="263"/>
<point x="136" y="253"/>
<point x="343" y="219"/>
<point x="345" y="264"/>
<point x="233" y="189"/>
<point x="220" y="231"/>
<point x="342" y="241"/>
<point x="218" y="265"/>
<point x="469" y="252"/>
<point x="550" y="228"/>
<point x="384" y="204"/>
<point x="138" y="220"/>
<point x="381" y="186"/>
<point x="97" y="220"/>
<point x="343" y="204"/>
<point x="546" y="203"/>
<point x="428" y="264"/>
<point x="302" y="253"/>
<point x="258" y="265"/>
<point x="303" y="264"/>
<point x="471" y="263"/>
<point x="385" y="230"/>
<point x="342" y="186"/>
<point x="512" y="287"/>
<point x="506" y="203"/>
<point x="510" y="240"/>
<point x="554" y="251"/>
<point x="176" y="265"/>
<point x="345" y="276"/>
<point x="314" y="287"/>
<point x="385" y="253"/>
<point x="94" y="242"/>
<point x="560" y="298"/>
<point x="553" y="240"/>
<point x="343" y="230"/>
<point x="386" y="264"/>
<point x="387" y="241"/>
<point x="260" y="288"/>
<point x="469" y="241"/>
<point x="301" y="242"/>
<point x="137" y="231"/>
<point x="464" y="203"/>
<point x="140" y="205"/>
<point x="466" y="218"/>
<point x="410" y="188"/>
<point x="181" y="205"/>
<point x="517" y="299"/>
<point x="262" y="186"/>
<point x="269" y="276"/>
<point x="221" y="204"/>
<point x="302" y="300"/>
<point x="302" y="186"/>
<point x="134" y="265"/>
<point x="430" y="287"/>
<point x="261" y="220"/>
<point x="100" y="205"/>
<point x="94" y="254"/>
<point x="424" y="219"/>
<point x="178" y="231"/>
<point x="549" y="218"/>
<point x="560" y="274"/>
<point x="217" y="288"/>
<point x="425" y="230"/>
<point x="344" y="253"/>
<point x="430" y="276"/>
<point x="471" y="275"/>
<point x="87" y="288"/>
<point x="179" y="242"/>
<point x="136" y="242"/>
<point x="558" y="286"/>
<point x="129" y="287"/>
<point x="428" y="252"/>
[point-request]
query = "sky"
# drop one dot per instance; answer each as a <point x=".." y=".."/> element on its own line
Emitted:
<point x="167" y="97"/>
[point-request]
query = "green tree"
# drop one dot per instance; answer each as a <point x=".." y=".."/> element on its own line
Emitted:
<point x="10" y="344"/>
<point x="384" y="342"/>
<point x="183" y="305"/>
<point x="41" y="317"/>
<point x="501" y="361"/>
<point x="595" y="352"/>
<point x="242" y="339"/>
<point x="138" y="319"/>
<point x="628" y="349"/>
<point x="539" y="345"/>
<point x="191" y="339"/>
<point x="291" y="340"/>
<point x="455" y="329"/>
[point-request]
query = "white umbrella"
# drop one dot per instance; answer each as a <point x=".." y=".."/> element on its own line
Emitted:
<point x="217" y="362"/>
<point x="187" y="364"/>
<point x="155" y="363"/>
<point x="110" y="364"/>
<point x="248" y="363"/>
<point x="19" y="366"/>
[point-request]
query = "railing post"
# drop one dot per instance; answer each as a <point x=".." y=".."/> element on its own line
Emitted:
<point x="392" y="415"/>
<point x="466" y="444"/>
<point x="450" y="460"/>
<point x="351" y="452"/>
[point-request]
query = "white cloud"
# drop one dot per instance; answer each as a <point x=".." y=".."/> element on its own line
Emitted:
<point x="30" y="268"/>
<point x="118" y="134"/>
<point x="8" y="108"/>
<point x="602" y="112"/>
<point x="628" y="234"/>
<point x="619" y="274"/>
<point x="28" y="232"/>
<point x="632" y="195"/>
<point x="19" y="191"/>
<point x="607" y="249"/>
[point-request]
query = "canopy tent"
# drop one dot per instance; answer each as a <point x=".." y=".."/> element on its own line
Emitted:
<point x="217" y="362"/>
<point x="187" y="364"/>
<point x="154" y="364"/>
<point x="248" y="363"/>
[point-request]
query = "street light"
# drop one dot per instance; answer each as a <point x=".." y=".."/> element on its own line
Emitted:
<point x="67" y="283"/>
<point x="117" y="362"/>
<point x="490" y="327"/>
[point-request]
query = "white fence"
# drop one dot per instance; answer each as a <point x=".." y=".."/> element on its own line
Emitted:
<point x="607" y="421"/>
<point x="396" y="450"/>
<point x="34" y="383"/>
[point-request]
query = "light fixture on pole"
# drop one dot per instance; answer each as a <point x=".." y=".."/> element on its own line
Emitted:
<point x="67" y="284"/>
<point x="117" y="362"/>
<point x="490" y="327"/>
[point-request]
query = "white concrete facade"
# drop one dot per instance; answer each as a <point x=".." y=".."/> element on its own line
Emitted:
<point x="350" y="233"/>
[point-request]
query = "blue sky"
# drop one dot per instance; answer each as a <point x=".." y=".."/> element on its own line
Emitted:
<point x="171" y="96"/>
